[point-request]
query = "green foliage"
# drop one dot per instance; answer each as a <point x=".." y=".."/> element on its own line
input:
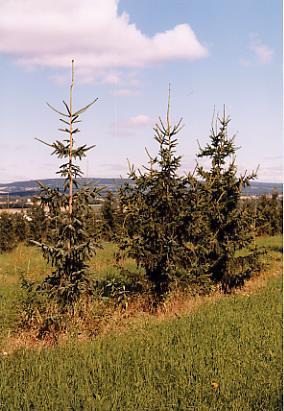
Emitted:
<point x="115" y="289"/>
<point x="269" y="214"/>
<point x="110" y="219"/>
<point x="228" y="225"/>
<point x="36" y="310"/>
<point x="156" y="210"/>
<point x="37" y="223"/>
<point x="69" y="245"/>
<point x="22" y="228"/>
<point x="8" y="239"/>
<point x="18" y="227"/>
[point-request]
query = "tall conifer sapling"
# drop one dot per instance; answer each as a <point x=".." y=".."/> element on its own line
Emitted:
<point x="156" y="212"/>
<point x="69" y="245"/>
<point x="229" y="226"/>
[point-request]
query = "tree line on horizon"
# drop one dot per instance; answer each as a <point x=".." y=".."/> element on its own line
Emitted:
<point x="29" y="224"/>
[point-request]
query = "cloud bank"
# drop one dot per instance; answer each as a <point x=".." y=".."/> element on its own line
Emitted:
<point x="51" y="33"/>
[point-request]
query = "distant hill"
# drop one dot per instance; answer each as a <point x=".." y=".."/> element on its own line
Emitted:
<point x="258" y="188"/>
<point x="30" y="188"/>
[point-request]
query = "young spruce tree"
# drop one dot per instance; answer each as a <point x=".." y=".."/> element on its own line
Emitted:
<point x="228" y="226"/>
<point x="69" y="245"/>
<point x="156" y="212"/>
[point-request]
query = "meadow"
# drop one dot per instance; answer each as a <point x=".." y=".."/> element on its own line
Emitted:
<point x="225" y="354"/>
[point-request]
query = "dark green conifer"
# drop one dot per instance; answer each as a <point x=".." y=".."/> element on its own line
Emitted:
<point x="69" y="245"/>
<point x="37" y="222"/>
<point x="156" y="212"/>
<point x="228" y="226"/>
<point x="21" y="227"/>
<point x="8" y="239"/>
<point x="109" y="216"/>
<point x="269" y="214"/>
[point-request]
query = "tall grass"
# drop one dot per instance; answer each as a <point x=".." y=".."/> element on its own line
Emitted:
<point x="233" y="343"/>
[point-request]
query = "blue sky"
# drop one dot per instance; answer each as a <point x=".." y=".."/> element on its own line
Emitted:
<point x="126" y="53"/>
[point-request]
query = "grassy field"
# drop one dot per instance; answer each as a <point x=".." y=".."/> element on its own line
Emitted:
<point x="226" y="355"/>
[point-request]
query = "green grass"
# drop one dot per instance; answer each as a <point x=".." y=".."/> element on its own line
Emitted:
<point x="273" y="245"/>
<point x="161" y="365"/>
<point x="28" y="261"/>
<point x="233" y="341"/>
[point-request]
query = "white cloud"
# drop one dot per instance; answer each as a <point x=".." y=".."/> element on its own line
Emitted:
<point x="51" y="33"/>
<point x="262" y="52"/>
<point x="139" y="120"/>
<point x="129" y="126"/>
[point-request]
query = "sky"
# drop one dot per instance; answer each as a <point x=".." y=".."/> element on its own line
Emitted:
<point x="127" y="52"/>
